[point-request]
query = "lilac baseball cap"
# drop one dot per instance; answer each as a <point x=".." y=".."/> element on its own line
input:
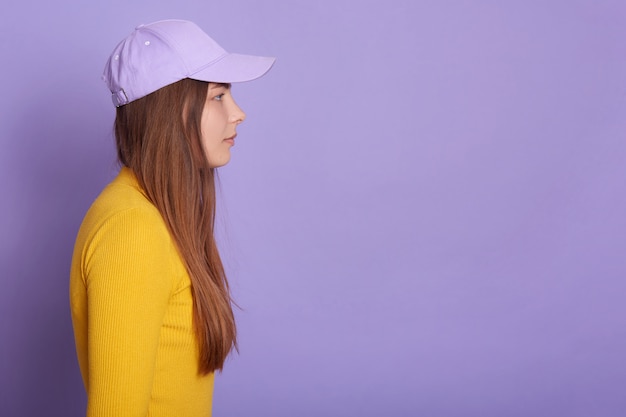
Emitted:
<point x="164" y="52"/>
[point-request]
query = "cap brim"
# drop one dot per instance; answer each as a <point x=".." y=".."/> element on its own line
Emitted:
<point x="234" y="68"/>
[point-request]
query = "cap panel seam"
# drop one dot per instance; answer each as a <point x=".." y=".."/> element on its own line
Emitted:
<point x="170" y="42"/>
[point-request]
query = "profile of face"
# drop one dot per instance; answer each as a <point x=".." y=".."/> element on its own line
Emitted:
<point x="220" y="118"/>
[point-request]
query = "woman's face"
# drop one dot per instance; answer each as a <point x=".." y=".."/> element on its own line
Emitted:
<point x="220" y="118"/>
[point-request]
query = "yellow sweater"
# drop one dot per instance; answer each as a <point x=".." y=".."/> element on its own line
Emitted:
<point x="131" y="307"/>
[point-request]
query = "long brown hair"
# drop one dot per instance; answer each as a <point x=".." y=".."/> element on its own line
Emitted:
<point x="159" y="138"/>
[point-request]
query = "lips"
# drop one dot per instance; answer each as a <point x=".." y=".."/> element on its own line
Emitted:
<point x="231" y="139"/>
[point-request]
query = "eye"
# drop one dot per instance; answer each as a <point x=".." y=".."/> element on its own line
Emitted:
<point x="219" y="97"/>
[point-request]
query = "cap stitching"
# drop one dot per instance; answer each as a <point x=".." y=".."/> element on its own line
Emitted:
<point x="170" y="42"/>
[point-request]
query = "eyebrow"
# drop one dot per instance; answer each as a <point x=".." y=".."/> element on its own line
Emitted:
<point x="220" y="85"/>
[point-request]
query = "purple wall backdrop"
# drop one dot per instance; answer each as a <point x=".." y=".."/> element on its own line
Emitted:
<point x="425" y="213"/>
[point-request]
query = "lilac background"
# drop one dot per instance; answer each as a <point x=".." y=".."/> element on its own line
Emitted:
<point x="424" y="215"/>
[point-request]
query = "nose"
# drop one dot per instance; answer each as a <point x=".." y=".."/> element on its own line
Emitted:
<point x="236" y="115"/>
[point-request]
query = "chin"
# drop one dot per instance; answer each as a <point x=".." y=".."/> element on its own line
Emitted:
<point x="219" y="163"/>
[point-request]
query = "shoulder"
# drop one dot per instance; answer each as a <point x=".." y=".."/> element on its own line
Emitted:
<point x="123" y="204"/>
<point x="123" y="240"/>
<point x="122" y="218"/>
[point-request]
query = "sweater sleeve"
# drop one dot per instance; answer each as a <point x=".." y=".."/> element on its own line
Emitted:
<point x="128" y="276"/>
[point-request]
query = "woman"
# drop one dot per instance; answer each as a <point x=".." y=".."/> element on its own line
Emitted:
<point x="150" y="302"/>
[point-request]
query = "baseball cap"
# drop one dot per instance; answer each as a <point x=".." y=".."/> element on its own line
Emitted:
<point x="164" y="52"/>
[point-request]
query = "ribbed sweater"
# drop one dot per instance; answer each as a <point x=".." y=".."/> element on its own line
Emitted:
<point x="131" y="305"/>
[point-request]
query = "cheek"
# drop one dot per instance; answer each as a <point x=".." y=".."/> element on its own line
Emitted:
<point x="208" y="127"/>
<point x="213" y="134"/>
<point x="213" y="120"/>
